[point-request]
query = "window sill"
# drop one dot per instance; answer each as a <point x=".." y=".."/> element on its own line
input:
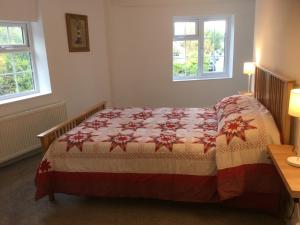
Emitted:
<point x="201" y="78"/>
<point x="24" y="97"/>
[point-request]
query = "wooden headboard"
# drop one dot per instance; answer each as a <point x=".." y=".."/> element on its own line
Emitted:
<point x="273" y="91"/>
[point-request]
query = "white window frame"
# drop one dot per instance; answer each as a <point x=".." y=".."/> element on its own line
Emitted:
<point x="228" y="47"/>
<point x="26" y="47"/>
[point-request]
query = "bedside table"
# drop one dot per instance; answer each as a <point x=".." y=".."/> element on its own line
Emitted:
<point x="289" y="174"/>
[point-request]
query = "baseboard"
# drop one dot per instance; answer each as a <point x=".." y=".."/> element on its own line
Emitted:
<point x="21" y="157"/>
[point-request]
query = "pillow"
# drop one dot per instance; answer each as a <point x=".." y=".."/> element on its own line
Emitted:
<point x="231" y="100"/>
<point x="236" y="106"/>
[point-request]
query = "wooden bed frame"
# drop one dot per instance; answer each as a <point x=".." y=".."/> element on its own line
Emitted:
<point x="50" y="135"/>
<point x="271" y="90"/>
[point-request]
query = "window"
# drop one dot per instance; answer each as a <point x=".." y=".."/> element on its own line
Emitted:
<point x="17" y="73"/>
<point x="202" y="48"/>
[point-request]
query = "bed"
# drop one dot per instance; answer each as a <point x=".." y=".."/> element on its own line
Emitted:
<point x="215" y="154"/>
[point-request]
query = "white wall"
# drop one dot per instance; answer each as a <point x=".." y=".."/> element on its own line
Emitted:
<point x="140" y="51"/>
<point x="80" y="79"/>
<point x="141" y="73"/>
<point x="25" y="10"/>
<point x="277" y="35"/>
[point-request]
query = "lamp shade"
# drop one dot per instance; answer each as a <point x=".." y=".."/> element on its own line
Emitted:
<point x="294" y="106"/>
<point x="249" y="68"/>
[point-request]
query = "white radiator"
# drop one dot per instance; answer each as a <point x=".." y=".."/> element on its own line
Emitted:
<point x="18" y="132"/>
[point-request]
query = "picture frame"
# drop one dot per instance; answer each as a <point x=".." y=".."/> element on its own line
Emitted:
<point x="78" y="33"/>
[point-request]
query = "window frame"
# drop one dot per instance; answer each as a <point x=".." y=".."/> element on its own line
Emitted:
<point x="228" y="46"/>
<point x="26" y="47"/>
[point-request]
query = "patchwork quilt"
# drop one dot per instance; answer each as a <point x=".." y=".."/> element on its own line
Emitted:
<point x="195" y="150"/>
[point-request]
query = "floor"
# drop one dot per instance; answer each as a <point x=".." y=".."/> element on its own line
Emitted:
<point x="17" y="207"/>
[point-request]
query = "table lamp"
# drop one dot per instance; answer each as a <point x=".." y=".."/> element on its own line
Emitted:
<point x="249" y="69"/>
<point x="294" y="110"/>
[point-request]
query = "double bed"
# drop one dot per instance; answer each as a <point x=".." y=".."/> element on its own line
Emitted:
<point x="216" y="154"/>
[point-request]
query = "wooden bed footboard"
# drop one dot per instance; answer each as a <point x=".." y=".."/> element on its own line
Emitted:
<point x="50" y="135"/>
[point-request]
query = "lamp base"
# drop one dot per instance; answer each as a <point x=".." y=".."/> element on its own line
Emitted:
<point x="293" y="161"/>
<point x="249" y="83"/>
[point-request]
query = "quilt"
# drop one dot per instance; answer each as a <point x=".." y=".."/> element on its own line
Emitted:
<point x="183" y="154"/>
<point x="174" y="145"/>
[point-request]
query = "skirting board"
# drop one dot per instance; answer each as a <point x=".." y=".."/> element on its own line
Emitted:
<point x="19" y="157"/>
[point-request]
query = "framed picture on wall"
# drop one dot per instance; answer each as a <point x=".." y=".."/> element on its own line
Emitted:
<point x="78" y="33"/>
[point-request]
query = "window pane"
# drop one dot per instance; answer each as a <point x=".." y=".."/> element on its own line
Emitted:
<point x="11" y="35"/>
<point x="17" y="61"/>
<point x="7" y="84"/>
<point x="25" y="81"/>
<point x="190" y="28"/>
<point x="185" y="28"/>
<point x="6" y="65"/>
<point x="23" y="61"/>
<point x="185" y="58"/>
<point x="179" y="28"/>
<point x="3" y="36"/>
<point x="15" y="36"/>
<point x="15" y="73"/>
<point x="214" y="46"/>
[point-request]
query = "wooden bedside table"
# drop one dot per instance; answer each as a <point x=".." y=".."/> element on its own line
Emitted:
<point x="289" y="174"/>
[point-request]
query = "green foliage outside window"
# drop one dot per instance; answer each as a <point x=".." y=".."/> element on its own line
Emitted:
<point x="15" y="65"/>
<point x="11" y="35"/>
<point x="15" y="73"/>
<point x="187" y="66"/>
<point x="213" y="47"/>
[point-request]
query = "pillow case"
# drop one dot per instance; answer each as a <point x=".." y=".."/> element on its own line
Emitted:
<point x="239" y="105"/>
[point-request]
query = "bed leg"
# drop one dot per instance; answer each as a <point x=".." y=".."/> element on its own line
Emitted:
<point x="51" y="197"/>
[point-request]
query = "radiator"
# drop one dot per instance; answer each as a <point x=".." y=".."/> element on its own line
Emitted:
<point x="18" y="132"/>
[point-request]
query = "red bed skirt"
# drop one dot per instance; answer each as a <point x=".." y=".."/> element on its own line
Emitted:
<point x="184" y="188"/>
<point x="157" y="186"/>
<point x="255" y="178"/>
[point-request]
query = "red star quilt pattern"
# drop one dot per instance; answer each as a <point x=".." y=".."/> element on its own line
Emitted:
<point x="173" y="126"/>
<point x="207" y="126"/>
<point x="120" y="140"/>
<point x="208" y="141"/>
<point x="228" y="112"/>
<point x="176" y="115"/>
<point x="95" y="124"/>
<point x="165" y="140"/>
<point x="77" y="140"/>
<point x="233" y="100"/>
<point x="142" y="115"/>
<point x="110" y="115"/>
<point x="207" y="115"/>
<point x="44" y="166"/>
<point x="132" y="126"/>
<point x="122" y="126"/>
<point x="236" y="128"/>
